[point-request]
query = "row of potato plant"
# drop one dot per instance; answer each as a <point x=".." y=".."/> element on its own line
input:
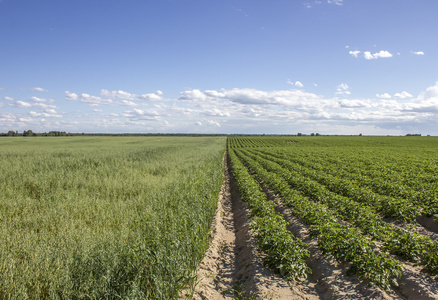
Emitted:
<point x="416" y="190"/>
<point x="399" y="208"/>
<point x="344" y="242"/>
<point x="402" y="242"/>
<point x="282" y="251"/>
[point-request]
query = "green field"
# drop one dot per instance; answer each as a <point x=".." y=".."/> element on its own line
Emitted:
<point x="105" y="217"/>
<point x="362" y="197"/>
<point x="129" y="217"/>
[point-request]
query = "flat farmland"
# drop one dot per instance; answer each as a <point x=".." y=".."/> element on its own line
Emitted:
<point x="310" y="217"/>
<point x="105" y="217"/>
<point x="342" y="217"/>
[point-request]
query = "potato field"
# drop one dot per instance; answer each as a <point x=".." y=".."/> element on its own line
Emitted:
<point x="243" y="217"/>
<point x="369" y="202"/>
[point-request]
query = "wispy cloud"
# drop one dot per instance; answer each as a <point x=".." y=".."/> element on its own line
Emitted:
<point x="38" y="89"/>
<point x="417" y="52"/>
<point x="354" y="53"/>
<point x="114" y="98"/>
<point x="342" y="89"/>
<point x="402" y="95"/>
<point x="41" y="100"/>
<point x="157" y="96"/>
<point x="241" y="11"/>
<point x="238" y="110"/>
<point x="368" y="55"/>
<point x="310" y="4"/>
<point x="384" y="96"/>
<point x="296" y="83"/>
<point x="337" y="2"/>
<point x="380" y="54"/>
<point x="70" y="96"/>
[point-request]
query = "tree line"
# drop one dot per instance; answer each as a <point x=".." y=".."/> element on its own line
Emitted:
<point x="31" y="133"/>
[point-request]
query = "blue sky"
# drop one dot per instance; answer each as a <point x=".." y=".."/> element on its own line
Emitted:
<point x="228" y="66"/>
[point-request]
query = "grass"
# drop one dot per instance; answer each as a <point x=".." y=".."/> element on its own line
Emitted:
<point x="105" y="217"/>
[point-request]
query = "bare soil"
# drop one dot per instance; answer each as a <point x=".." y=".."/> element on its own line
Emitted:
<point x="232" y="267"/>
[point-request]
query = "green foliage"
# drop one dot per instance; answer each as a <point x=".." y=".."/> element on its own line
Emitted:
<point x="105" y="217"/>
<point x="345" y="243"/>
<point x="283" y="252"/>
<point x="348" y="244"/>
<point x="348" y="199"/>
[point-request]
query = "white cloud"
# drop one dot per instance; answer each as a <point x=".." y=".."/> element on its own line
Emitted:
<point x="41" y="100"/>
<point x="212" y="122"/>
<point x="384" y="96"/>
<point x="26" y="119"/>
<point x="298" y="84"/>
<point x="337" y="2"/>
<point x="70" y="96"/>
<point x="417" y="52"/>
<point x="342" y="89"/>
<point x="43" y="106"/>
<point x="128" y="103"/>
<point x="150" y="97"/>
<point x="195" y="95"/>
<point x="94" y="100"/>
<point x="48" y="114"/>
<point x="380" y="54"/>
<point x="38" y="89"/>
<point x="354" y="53"/>
<point x="368" y="55"/>
<point x="8" y="98"/>
<point x="236" y="111"/>
<point x="217" y="113"/>
<point x="22" y="104"/>
<point x="114" y="98"/>
<point x="114" y="95"/>
<point x="402" y="95"/>
<point x="51" y="111"/>
<point x="431" y="93"/>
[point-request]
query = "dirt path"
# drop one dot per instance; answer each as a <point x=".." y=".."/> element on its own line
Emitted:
<point x="232" y="267"/>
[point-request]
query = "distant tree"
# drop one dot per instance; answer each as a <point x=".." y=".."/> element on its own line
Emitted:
<point x="28" y="133"/>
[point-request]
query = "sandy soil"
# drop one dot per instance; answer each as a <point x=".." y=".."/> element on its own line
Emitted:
<point x="232" y="267"/>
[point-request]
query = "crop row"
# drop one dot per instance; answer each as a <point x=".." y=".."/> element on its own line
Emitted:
<point x="344" y="242"/>
<point x="420" y="193"/>
<point x="283" y="252"/>
<point x="403" y="242"/>
<point x="253" y="142"/>
<point x="399" y="208"/>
